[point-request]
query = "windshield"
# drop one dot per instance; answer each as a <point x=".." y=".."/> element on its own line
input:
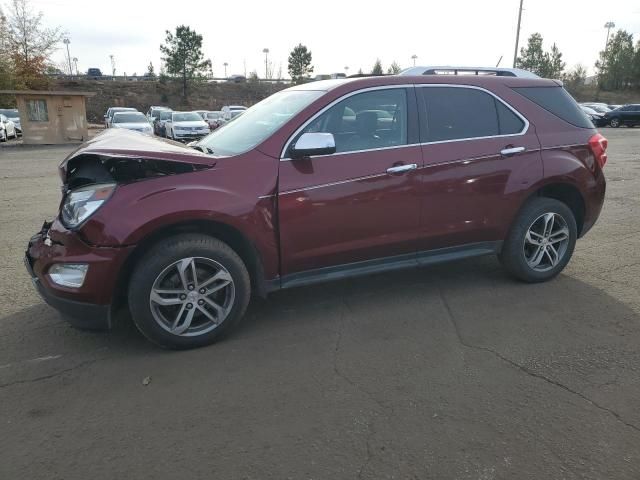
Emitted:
<point x="258" y="122"/>
<point x="186" y="117"/>
<point x="123" y="109"/>
<point x="129" y="118"/>
<point x="165" y="115"/>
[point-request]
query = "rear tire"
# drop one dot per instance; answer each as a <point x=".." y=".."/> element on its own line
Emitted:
<point x="614" y="123"/>
<point x="541" y="241"/>
<point x="200" y="309"/>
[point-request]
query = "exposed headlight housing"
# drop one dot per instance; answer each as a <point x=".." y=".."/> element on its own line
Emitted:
<point x="81" y="203"/>
<point x="68" y="274"/>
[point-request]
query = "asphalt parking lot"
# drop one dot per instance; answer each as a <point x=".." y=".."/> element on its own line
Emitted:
<point x="449" y="372"/>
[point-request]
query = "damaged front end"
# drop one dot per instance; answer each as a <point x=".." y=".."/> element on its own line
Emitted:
<point x="87" y="169"/>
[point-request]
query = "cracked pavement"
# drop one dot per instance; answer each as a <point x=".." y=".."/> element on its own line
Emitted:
<point x="448" y="372"/>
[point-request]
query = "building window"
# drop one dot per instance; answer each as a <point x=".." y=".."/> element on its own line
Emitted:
<point x="37" y="111"/>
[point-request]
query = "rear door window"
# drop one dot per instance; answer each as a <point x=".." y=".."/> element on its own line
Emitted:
<point x="557" y="101"/>
<point x="456" y="113"/>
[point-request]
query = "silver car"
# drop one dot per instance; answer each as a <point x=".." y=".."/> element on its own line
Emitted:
<point x="13" y="115"/>
<point x="8" y="129"/>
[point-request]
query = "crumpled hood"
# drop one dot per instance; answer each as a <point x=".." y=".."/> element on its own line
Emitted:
<point x="120" y="142"/>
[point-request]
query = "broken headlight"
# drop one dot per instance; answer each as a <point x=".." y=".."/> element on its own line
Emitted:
<point x="81" y="203"/>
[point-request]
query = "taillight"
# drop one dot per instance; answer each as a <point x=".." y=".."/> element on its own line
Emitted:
<point x="598" y="145"/>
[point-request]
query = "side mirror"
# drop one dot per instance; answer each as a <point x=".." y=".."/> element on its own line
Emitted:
<point x="314" y="144"/>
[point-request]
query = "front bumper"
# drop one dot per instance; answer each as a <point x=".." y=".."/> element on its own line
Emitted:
<point x="78" y="314"/>
<point x="88" y="306"/>
<point x="189" y="135"/>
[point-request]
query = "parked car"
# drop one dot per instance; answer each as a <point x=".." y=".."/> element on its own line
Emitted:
<point x="308" y="186"/>
<point x="231" y="111"/>
<point x="186" y="126"/>
<point x="613" y="107"/>
<point x="598" y="107"/>
<point x="94" y="73"/>
<point x="160" y="124"/>
<point x="135" y="121"/>
<point x="237" y="79"/>
<point x="13" y="115"/>
<point x="110" y="111"/>
<point x="597" y="118"/>
<point x="154" y="112"/>
<point x="202" y="113"/>
<point x="628" y="115"/>
<point x="7" y="129"/>
<point x="214" y="119"/>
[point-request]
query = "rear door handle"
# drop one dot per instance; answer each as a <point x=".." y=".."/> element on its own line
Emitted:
<point x="511" y="151"/>
<point x="402" y="168"/>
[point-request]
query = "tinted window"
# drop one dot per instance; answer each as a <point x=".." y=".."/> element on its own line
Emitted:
<point x="456" y="113"/>
<point x="508" y="121"/>
<point x="375" y="119"/>
<point x="557" y="101"/>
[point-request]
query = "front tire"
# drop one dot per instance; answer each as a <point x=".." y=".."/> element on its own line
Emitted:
<point x="541" y="241"/>
<point x="188" y="290"/>
<point x="3" y="136"/>
<point x="614" y="122"/>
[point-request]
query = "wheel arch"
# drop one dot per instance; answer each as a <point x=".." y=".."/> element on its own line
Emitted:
<point x="230" y="235"/>
<point x="568" y="194"/>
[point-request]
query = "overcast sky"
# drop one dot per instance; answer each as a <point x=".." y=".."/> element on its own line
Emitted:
<point x="341" y="33"/>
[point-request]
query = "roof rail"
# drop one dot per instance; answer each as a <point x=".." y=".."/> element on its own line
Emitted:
<point x="453" y="70"/>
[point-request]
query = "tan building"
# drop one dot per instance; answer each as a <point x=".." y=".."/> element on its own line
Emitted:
<point x="52" y="117"/>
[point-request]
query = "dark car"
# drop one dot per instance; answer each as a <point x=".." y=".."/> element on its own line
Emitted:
<point x="94" y="73"/>
<point x="596" y="117"/>
<point x="314" y="184"/>
<point x="628" y="115"/>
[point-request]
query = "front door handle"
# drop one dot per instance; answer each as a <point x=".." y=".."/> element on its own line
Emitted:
<point x="511" y="151"/>
<point x="402" y="168"/>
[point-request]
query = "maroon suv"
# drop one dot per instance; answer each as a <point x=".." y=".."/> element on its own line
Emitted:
<point x="318" y="182"/>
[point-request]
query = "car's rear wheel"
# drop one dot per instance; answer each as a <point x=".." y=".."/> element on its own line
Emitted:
<point x="188" y="290"/>
<point x="3" y="135"/>
<point x="541" y="240"/>
<point x="614" y="122"/>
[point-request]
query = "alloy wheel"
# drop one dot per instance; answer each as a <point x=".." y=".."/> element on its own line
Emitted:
<point x="192" y="296"/>
<point x="614" y="122"/>
<point x="546" y="242"/>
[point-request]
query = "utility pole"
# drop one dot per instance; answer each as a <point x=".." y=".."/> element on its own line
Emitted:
<point x="266" y="62"/>
<point x="414" y="57"/>
<point x="113" y="66"/>
<point x="608" y="26"/>
<point x="515" y="51"/>
<point x="75" y="62"/>
<point x="66" y="41"/>
<point x="225" y="69"/>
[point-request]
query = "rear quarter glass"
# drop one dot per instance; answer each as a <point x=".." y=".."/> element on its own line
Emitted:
<point x="557" y="101"/>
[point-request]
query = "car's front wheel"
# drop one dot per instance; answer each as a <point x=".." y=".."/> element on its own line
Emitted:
<point x="3" y="135"/>
<point x="614" y="122"/>
<point x="188" y="290"/>
<point x="541" y="240"/>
